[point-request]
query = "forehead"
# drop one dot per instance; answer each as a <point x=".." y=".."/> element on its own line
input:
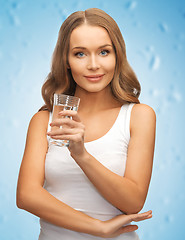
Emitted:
<point x="86" y="35"/>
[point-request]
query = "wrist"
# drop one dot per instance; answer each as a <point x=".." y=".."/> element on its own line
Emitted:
<point x="97" y="228"/>
<point x="83" y="157"/>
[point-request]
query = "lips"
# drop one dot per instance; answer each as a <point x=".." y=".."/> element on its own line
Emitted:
<point x="95" y="77"/>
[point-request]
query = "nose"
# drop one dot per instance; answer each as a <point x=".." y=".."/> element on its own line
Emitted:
<point x="93" y="63"/>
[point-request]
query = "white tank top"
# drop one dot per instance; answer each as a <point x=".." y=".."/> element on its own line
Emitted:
<point x="65" y="180"/>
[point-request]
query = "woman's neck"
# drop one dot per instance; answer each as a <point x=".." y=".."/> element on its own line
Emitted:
<point x="96" y="101"/>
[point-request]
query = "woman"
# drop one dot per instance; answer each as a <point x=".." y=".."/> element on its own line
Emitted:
<point x="94" y="188"/>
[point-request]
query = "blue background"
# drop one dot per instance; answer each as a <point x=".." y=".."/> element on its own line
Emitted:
<point x="154" y="32"/>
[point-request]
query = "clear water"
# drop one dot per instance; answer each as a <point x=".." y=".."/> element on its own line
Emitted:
<point x="56" y="110"/>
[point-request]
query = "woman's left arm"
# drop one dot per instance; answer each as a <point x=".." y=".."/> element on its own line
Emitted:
<point x="127" y="193"/>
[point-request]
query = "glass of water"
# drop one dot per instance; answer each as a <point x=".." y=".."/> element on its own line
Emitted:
<point x="62" y="102"/>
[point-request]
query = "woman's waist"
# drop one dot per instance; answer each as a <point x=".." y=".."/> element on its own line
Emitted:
<point x="90" y="202"/>
<point x="51" y="231"/>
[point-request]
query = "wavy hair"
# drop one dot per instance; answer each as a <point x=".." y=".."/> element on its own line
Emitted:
<point x="124" y="85"/>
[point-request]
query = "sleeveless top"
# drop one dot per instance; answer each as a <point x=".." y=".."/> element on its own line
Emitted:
<point x="66" y="181"/>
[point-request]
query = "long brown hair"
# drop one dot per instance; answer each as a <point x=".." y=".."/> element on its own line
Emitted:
<point x="125" y="85"/>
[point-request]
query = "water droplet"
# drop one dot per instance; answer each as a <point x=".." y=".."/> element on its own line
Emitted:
<point x="14" y="5"/>
<point x="173" y="95"/>
<point x="15" y="123"/>
<point x="168" y="219"/>
<point x="178" y="158"/>
<point x="25" y="43"/>
<point x="131" y="5"/>
<point x="150" y="48"/>
<point x="178" y="47"/>
<point x="166" y="200"/>
<point x="177" y="96"/>
<point x="63" y="12"/>
<point x="155" y="92"/>
<point x="163" y="27"/>
<point x="14" y="19"/>
<point x="155" y="63"/>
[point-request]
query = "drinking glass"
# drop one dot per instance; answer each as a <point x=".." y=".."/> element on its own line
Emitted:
<point x="62" y="102"/>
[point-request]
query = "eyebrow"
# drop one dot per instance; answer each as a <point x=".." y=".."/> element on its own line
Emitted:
<point x="105" y="45"/>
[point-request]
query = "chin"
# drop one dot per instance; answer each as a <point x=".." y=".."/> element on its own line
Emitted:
<point x="94" y="89"/>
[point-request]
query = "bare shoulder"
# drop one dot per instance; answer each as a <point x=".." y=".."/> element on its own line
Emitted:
<point x="142" y="115"/>
<point x="39" y="120"/>
<point x="36" y="141"/>
<point x="38" y="127"/>
<point x="40" y="117"/>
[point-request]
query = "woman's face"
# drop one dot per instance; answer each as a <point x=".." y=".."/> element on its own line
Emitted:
<point x="91" y="57"/>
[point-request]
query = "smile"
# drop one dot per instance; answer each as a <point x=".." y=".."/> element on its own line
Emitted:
<point x="94" y="78"/>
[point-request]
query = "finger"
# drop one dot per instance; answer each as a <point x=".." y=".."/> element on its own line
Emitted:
<point x="74" y="138"/>
<point x="65" y="131"/>
<point x="142" y="219"/>
<point x="141" y="216"/>
<point x="70" y="113"/>
<point x="65" y="121"/>
<point x="128" y="228"/>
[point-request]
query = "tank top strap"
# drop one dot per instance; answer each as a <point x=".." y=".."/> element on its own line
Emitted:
<point x="128" y="117"/>
<point x="124" y="120"/>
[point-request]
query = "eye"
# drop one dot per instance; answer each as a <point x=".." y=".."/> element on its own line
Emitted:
<point x="79" y="54"/>
<point x="104" y="52"/>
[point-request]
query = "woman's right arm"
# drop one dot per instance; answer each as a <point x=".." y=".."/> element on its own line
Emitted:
<point x="32" y="197"/>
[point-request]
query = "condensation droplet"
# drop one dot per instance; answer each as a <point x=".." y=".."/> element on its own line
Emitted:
<point x="178" y="47"/>
<point x="63" y="12"/>
<point x="15" y="123"/>
<point x="168" y="219"/>
<point x="178" y="158"/>
<point x="137" y="24"/>
<point x="3" y="219"/>
<point x="131" y="5"/>
<point x="25" y="43"/>
<point x="163" y="27"/>
<point x="150" y="48"/>
<point x="155" y="63"/>
<point x="166" y="200"/>
<point x="155" y="92"/>
<point x="173" y="95"/>
<point x="14" y="5"/>
<point x="177" y="96"/>
<point x="14" y="19"/>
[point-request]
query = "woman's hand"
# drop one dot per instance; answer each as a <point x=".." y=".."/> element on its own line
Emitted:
<point x="72" y="129"/>
<point x="114" y="227"/>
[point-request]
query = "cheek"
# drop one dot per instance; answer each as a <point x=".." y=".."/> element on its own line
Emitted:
<point x="109" y="63"/>
<point x="110" y="66"/>
<point x="76" y="73"/>
<point x="76" y="67"/>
